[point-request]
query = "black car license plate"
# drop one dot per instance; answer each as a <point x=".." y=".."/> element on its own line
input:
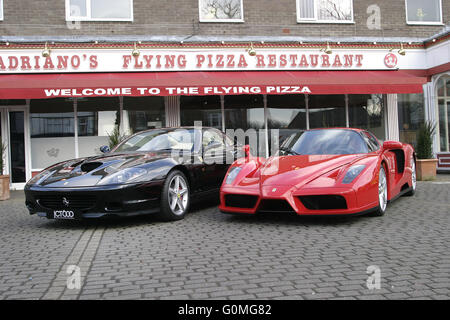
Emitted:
<point x="63" y="214"/>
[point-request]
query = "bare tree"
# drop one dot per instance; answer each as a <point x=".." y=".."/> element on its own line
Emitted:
<point x="336" y="9"/>
<point x="222" y="9"/>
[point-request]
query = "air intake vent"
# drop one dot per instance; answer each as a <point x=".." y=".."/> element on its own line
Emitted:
<point x="270" y="205"/>
<point x="89" y="166"/>
<point x="240" y="201"/>
<point x="324" y="202"/>
<point x="67" y="201"/>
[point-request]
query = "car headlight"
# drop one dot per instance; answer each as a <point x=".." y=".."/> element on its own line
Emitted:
<point x="352" y="173"/>
<point x="37" y="179"/>
<point x="126" y="176"/>
<point x="232" y="175"/>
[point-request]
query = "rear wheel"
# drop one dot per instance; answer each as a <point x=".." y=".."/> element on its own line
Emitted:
<point x="175" y="197"/>
<point x="413" y="179"/>
<point x="382" y="193"/>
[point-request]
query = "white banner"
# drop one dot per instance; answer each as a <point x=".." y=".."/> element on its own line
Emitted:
<point x="121" y="60"/>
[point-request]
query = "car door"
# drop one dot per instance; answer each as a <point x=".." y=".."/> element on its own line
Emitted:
<point x="214" y="157"/>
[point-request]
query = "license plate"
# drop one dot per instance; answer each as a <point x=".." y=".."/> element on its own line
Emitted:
<point x="64" y="214"/>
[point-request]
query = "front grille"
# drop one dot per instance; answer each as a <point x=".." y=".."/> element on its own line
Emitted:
<point x="240" y="201"/>
<point x="324" y="202"/>
<point x="74" y="201"/>
<point x="270" y="205"/>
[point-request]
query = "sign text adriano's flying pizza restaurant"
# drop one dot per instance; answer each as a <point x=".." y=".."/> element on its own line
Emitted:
<point x="61" y="100"/>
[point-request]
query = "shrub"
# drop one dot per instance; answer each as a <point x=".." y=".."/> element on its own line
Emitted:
<point x="425" y="140"/>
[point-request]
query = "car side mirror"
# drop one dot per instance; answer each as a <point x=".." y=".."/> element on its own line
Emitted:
<point x="246" y="149"/>
<point x="392" y="145"/>
<point x="105" y="149"/>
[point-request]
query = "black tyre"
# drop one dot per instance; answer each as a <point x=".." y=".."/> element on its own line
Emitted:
<point x="175" y="197"/>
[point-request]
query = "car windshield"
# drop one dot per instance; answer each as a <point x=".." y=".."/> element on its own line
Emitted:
<point x="158" y="140"/>
<point x="323" y="142"/>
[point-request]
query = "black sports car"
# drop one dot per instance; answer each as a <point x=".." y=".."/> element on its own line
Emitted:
<point x="158" y="170"/>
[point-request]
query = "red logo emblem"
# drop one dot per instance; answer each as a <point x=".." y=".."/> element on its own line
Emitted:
<point x="390" y="60"/>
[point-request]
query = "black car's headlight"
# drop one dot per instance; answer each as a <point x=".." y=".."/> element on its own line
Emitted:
<point x="37" y="179"/>
<point x="128" y="175"/>
<point x="232" y="175"/>
<point x="352" y="173"/>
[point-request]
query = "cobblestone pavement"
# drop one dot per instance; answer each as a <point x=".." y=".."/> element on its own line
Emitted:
<point x="209" y="255"/>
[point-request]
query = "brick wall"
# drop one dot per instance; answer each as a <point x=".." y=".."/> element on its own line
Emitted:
<point x="180" y="17"/>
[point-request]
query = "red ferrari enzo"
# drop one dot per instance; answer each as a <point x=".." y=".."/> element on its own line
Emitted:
<point x="334" y="171"/>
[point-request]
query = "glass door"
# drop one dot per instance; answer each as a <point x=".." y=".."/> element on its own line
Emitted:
<point x="15" y="129"/>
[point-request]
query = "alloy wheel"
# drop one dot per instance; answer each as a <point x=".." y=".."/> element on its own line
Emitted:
<point x="382" y="189"/>
<point x="178" y="195"/>
<point x="413" y="174"/>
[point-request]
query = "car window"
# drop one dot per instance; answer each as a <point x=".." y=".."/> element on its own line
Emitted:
<point x="372" y="142"/>
<point x="156" y="140"/>
<point x="212" y="137"/>
<point x="325" y="142"/>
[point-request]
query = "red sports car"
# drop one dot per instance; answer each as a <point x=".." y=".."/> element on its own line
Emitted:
<point x="334" y="171"/>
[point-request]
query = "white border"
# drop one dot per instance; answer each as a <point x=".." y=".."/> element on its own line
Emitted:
<point x="88" y="12"/>
<point x="1" y="13"/>
<point x="423" y="22"/>
<point x="316" y="20"/>
<point x="220" y="20"/>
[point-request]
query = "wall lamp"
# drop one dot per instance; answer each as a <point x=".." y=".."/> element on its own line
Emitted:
<point x="327" y="50"/>
<point x="251" y="50"/>
<point x="135" y="51"/>
<point x="46" y="52"/>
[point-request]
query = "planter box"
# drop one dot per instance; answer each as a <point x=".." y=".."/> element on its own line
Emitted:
<point x="4" y="188"/>
<point x="426" y="169"/>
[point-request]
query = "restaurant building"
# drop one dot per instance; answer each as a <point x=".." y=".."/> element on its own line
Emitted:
<point x="62" y="93"/>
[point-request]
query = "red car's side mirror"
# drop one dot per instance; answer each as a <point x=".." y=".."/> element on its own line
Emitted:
<point x="392" y="145"/>
<point x="247" y="150"/>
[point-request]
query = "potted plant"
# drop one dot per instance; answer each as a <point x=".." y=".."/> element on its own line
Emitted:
<point x="426" y="163"/>
<point x="115" y="137"/>
<point x="4" y="179"/>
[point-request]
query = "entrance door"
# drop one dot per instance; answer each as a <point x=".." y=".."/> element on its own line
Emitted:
<point x="15" y="130"/>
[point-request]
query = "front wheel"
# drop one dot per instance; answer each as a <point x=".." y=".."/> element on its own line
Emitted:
<point x="413" y="179"/>
<point x="382" y="193"/>
<point x="175" y="197"/>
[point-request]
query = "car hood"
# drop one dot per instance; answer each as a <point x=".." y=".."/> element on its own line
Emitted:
<point x="300" y="170"/>
<point x="91" y="171"/>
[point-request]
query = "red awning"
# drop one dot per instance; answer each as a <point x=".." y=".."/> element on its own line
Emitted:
<point x="38" y="86"/>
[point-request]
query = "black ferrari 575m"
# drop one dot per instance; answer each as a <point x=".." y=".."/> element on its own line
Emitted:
<point x="158" y="170"/>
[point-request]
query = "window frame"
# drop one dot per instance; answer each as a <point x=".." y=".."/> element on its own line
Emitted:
<point x="89" y="13"/>
<point x="423" y="22"/>
<point x="316" y="19"/>
<point x="1" y="7"/>
<point x="200" y="19"/>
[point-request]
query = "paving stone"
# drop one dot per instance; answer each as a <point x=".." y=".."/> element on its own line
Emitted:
<point x="209" y="255"/>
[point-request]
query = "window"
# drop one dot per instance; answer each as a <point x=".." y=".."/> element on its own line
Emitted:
<point x="1" y="10"/>
<point x="201" y="108"/>
<point x="423" y="12"/>
<point x="99" y="10"/>
<point x="142" y="113"/>
<point x="366" y="111"/>
<point x="325" y="11"/>
<point x="286" y="113"/>
<point x="443" y="113"/>
<point x="52" y="127"/>
<point x="411" y="115"/>
<point x="97" y="119"/>
<point x="326" y="111"/>
<point x="247" y="112"/>
<point x="221" y="10"/>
